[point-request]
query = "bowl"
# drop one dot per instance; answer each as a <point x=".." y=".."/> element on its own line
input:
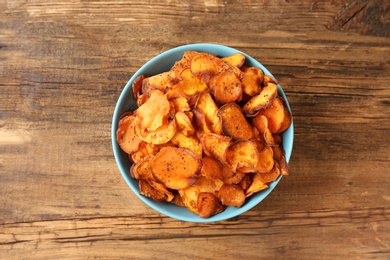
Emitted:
<point x="161" y="63"/>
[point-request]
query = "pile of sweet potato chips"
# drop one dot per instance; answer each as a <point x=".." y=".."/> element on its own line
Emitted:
<point x="206" y="134"/>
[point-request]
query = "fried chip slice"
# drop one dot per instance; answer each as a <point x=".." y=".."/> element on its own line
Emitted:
<point x="226" y="87"/>
<point x="136" y="86"/>
<point x="234" y="124"/>
<point x="261" y="123"/>
<point x="184" y="124"/>
<point x="287" y="120"/>
<point x="190" y="142"/>
<point x="231" y="177"/>
<point x="265" y="157"/>
<point x="145" y="150"/>
<point x="141" y="170"/>
<point x="184" y="63"/>
<point x="128" y="141"/>
<point x="215" y="145"/>
<point x="262" y="100"/>
<point x="242" y="155"/>
<point x="275" y="115"/>
<point x="147" y="190"/>
<point x="236" y="59"/>
<point x="164" y="82"/>
<point x="211" y="168"/>
<point x="155" y="112"/>
<point x="203" y="184"/>
<point x="207" y="105"/>
<point x="207" y="66"/>
<point x="231" y="195"/>
<point x="268" y="79"/>
<point x="251" y="81"/>
<point x="267" y="177"/>
<point x="161" y="135"/>
<point x="256" y="186"/>
<point x="176" y="168"/>
<point x="177" y="199"/>
<point x="281" y="160"/>
<point x="207" y="204"/>
<point x="192" y="84"/>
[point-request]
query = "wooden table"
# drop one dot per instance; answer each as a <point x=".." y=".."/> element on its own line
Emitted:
<point x="63" y="65"/>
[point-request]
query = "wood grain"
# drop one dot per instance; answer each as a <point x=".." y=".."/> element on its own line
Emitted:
<point x="63" y="65"/>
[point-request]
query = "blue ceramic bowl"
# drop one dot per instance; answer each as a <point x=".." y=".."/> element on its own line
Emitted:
<point x="162" y="63"/>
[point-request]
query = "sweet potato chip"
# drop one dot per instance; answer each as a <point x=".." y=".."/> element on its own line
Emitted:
<point x="226" y="87"/>
<point x="126" y="137"/>
<point x="184" y="63"/>
<point x="215" y="145"/>
<point x="268" y="79"/>
<point x="262" y="100"/>
<point x="137" y="86"/>
<point x="251" y="81"/>
<point x="177" y="200"/>
<point x="236" y="59"/>
<point x="192" y="84"/>
<point x="176" y="168"/>
<point x="190" y="142"/>
<point x="242" y="155"/>
<point x="161" y="188"/>
<point x="266" y="158"/>
<point x="183" y="124"/>
<point x="234" y="124"/>
<point x="203" y="184"/>
<point x="231" y="195"/>
<point x="180" y="104"/>
<point x="200" y="122"/>
<point x="275" y="115"/>
<point x="231" y="177"/>
<point x="164" y="82"/>
<point x="286" y="120"/>
<point x="145" y="150"/>
<point x="267" y="177"/>
<point x="142" y="170"/>
<point x="211" y="168"/>
<point x="155" y="112"/>
<point x="147" y="190"/>
<point x="208" y="107"/>
<point x="256" y="186"/>
<point x="161" y="135"/>
<point x="279" y="157"/>
<point x="261" y="124"/>
<point x="207" y="204"/>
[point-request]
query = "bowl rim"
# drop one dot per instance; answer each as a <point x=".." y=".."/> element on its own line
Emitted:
<point x="164" y="61"/>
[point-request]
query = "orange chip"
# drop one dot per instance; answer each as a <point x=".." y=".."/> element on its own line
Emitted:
<point x="126" y="137"/>
<point x="176" y="168"/>
<point x="203" y="184"/>
<point x="262" y="100"/>
<point x="208" y="107"/>
<point x="234" y="124"/>
<point x="207" y="204"/>
<point x="251" y="81"/>
<point x="242" y="155"/>
<point x="155" y="112"/>
<point x="275" y="115"/>
<point x="211" y="168"/>
<point x="236" y="59"/>
<point x="226" y="87"/>
<point x="231" y="195"/>
<point x="215" y="145"/>
<point x="184" y="124"/>
<point x="192" y="84"/>
<point x="256" y="185"/>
